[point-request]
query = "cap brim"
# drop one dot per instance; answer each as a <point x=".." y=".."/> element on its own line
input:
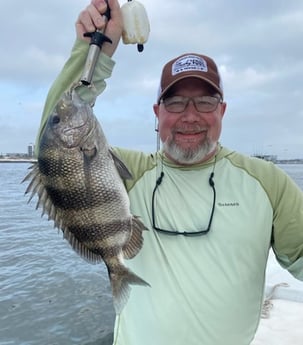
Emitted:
<point x="164" y="91"/>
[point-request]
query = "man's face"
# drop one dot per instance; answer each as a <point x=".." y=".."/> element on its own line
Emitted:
<point x="190" y="136"/>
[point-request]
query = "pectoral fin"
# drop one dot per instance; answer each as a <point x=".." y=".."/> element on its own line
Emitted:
<point x="121" y="167"/>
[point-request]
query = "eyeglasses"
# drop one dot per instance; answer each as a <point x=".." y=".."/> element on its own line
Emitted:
<point x="184" y="233"/>
<point x="203" y="104"/>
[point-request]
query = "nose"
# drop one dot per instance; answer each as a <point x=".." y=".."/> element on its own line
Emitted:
<point x="190" y="113"/>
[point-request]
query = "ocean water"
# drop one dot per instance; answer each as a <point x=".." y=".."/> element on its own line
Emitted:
<point x="48" y="294"/>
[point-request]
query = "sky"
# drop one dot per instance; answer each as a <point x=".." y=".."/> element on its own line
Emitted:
<point x="257" y="46"/>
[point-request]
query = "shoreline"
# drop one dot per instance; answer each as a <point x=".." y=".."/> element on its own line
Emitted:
<point x="18" y="160"/>
<point x="34" y="160"/>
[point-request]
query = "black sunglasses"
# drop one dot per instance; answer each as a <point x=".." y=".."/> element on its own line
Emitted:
<point x="184" y="233"/>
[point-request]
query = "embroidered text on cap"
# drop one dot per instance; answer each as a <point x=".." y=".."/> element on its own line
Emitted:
<point x="189" y="63"/>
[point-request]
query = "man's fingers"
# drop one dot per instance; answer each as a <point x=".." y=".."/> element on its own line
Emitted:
<point x="100" y="5"/>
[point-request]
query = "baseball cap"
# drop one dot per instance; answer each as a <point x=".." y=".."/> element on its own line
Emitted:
<point x="190" y="65"/>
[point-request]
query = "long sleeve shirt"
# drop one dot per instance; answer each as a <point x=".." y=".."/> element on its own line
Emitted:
<point x="205" y="289"/>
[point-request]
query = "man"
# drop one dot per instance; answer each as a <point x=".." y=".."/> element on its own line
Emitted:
<point x="213" y="214"/>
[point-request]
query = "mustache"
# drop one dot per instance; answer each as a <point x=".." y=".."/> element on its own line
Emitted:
<point x="189" y="129"/>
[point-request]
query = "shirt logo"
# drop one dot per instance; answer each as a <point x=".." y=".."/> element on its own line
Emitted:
<point x="228" y="204"/>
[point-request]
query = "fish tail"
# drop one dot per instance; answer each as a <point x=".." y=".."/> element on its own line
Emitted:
<point x="120" y="283"/>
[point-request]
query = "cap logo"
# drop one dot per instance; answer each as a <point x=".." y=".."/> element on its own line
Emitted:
<point x="189" y="63"/>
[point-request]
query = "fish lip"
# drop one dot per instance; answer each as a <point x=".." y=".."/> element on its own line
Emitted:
<point x="77" y="131"/>
<point x="70" y="131"/>
<point x="75" y="136"/>
<point x="75" y="125"/>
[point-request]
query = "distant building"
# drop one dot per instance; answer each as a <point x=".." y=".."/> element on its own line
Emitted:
<point x="270" y="158"/>
<point x="31" y="150"/>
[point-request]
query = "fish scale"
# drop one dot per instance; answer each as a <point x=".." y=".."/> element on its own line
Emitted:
<point x="78" y="180"/>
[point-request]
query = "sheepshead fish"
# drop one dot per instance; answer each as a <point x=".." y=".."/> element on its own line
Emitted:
<point x="78" y="180"/>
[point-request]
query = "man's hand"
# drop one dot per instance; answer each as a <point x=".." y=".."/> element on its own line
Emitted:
<point x="91" y="19"/>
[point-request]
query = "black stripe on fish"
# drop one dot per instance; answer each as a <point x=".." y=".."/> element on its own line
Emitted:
<point x="107" y="232"/>
<point x="52" y="167"/>
<point x="82" y="198"/>
<point x="67" y="200"/>
<point x="56" y="166"/>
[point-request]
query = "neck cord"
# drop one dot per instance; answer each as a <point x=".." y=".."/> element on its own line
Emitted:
<point x="185" y="233"/>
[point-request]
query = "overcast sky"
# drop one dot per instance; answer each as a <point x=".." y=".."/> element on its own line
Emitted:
<point x="256" y="44"/>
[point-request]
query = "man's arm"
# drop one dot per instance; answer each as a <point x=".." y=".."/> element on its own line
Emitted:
<point x="89" y="20"/>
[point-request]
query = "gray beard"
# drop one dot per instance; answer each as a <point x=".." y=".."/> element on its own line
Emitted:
<point x="188" y="156"/>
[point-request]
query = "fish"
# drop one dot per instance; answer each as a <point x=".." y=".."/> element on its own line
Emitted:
<point x="78" y="181"/>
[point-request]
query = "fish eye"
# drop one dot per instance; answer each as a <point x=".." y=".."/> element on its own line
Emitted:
<point x="56" y="119"/>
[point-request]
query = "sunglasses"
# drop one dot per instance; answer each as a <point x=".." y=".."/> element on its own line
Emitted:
<point x="184" y="233"/>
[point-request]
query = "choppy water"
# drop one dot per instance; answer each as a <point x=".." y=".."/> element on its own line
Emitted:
<point x="48" y="294"/>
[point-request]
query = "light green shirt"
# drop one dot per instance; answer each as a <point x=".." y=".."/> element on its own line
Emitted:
<point x="205" y="290"/>
<point x="209" y="289"/>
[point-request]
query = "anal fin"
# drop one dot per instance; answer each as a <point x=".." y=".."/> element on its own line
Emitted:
<point x="133" y="246"/>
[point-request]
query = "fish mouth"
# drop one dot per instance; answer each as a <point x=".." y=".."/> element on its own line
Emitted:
<point x="73" y="131"/>
<point x="74" y="136"/>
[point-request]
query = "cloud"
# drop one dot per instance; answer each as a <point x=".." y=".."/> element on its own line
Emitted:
<point x="255" y="43"/>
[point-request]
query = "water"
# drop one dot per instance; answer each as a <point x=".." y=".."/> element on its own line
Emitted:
<point x="48" y="294"/>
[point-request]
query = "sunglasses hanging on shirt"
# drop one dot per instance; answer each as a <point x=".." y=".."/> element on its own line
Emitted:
<point x="184" y="233"/>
